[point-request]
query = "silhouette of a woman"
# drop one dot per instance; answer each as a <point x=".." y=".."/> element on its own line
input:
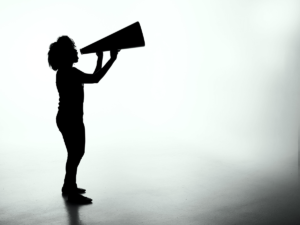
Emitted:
<point x="70" y="85"/>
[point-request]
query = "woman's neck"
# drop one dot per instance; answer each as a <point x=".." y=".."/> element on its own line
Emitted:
<point x="66" y="66"/>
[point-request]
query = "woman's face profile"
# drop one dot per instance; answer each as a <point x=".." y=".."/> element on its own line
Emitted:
<point x="75" y="56"/>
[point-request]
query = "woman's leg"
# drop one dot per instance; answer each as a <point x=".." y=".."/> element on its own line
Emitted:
<point x="74" y="137"/>
<point x="73" y="133"/>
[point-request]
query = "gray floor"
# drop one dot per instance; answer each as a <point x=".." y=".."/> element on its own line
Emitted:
<point x="171" y="186"/>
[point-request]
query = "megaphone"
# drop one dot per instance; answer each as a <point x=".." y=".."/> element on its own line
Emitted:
<point x="128" y="37"/>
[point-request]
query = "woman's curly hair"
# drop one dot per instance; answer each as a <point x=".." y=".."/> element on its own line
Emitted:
<point x="61" y="52"/>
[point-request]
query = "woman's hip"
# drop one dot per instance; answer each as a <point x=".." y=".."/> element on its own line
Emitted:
<point x="69" y="122"/>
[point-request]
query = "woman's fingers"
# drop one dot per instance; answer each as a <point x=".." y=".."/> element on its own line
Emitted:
<point x="99" y="53"/>
<point x="114" y="53"/>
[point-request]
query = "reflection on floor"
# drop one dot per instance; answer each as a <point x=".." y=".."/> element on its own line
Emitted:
<point x="144" y="187"/>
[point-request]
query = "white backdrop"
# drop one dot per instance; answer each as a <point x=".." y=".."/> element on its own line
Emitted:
<point x="215" y="76"/>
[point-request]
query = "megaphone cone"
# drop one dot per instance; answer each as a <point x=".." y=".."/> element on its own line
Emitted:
<point x="128" y="37"/>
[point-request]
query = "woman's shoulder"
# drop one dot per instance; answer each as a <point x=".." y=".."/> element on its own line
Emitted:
<point x="65" y="72"/>
<point x="68" y="74"/>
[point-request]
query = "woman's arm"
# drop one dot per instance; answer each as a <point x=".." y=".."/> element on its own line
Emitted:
<point x="99" y="74"/>
<point x="99" y="61"/>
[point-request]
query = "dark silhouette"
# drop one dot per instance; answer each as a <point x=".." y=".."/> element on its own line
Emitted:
<point x="70" y="85"/>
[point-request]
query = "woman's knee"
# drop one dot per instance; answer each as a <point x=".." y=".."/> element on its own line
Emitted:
<point x="75" y="157"/>
<point x="81" y="154"/>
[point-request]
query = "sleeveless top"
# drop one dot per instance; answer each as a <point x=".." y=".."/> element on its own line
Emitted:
<point x="71" y="93"/>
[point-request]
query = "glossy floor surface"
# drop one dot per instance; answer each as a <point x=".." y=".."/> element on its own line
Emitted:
<point x="170" y="186"/>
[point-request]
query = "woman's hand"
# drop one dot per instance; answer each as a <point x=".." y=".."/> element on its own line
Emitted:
<point x="99" y="54"/>
<point x="114" y="53"/>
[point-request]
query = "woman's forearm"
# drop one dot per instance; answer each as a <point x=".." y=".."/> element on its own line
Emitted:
<point x="102" y="71"/>
<point x="99" y="64"/>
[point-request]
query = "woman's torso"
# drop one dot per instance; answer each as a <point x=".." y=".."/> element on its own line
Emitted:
<point x="71" y="94"/>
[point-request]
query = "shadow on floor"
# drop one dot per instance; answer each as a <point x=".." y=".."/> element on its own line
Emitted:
<point x="72" y="210"/>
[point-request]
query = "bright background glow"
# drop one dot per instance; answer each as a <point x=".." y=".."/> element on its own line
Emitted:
<point x="216" y="77"/>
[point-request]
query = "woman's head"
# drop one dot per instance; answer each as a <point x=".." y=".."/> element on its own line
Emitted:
<point x="62" y="53"/>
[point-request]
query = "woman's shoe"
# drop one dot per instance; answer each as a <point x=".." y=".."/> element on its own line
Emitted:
<point x="80" y="190"/>
<point x="66" y="191"/>
<point x="79" y="199"/>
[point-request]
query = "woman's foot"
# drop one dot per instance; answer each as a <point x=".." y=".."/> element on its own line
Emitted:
<point x="79" y="199"/>
<point x="77" y="190"/>
<point x="80" y="190"/>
